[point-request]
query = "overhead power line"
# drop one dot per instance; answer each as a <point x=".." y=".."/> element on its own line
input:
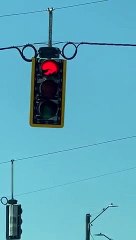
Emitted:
<point x="78" y="181"/>
<point x="57" y="8"/>
<point x="22" y="13"/>
<point x="81" y="4"/>
<point x="73" y="148"/>
<point x="77" y="148"/>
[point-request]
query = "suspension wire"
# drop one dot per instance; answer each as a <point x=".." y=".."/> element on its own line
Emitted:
<point x="57" y="8"/>
<point x="66" y="44"/>
<point x="72" y="149"/>
<point x="76" y="46"/>
<point x="21" y="52"/>
<point x="81" y="4"/>
<point x="78" y="181"/>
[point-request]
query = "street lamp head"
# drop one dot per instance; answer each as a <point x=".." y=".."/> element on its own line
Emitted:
<point x="98" y="234"/>
<point x="103" y="235"/>
<point x="112" y="205"/>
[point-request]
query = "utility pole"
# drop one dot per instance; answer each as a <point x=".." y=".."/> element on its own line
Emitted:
<point x="89" y="223"/>
<point x="88" y="216"/>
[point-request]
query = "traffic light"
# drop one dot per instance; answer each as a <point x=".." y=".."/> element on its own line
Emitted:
<point x="48" y="80"/>
<point x="13" y="221"/>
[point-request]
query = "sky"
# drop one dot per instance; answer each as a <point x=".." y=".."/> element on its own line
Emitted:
<point x="60" y="175"/>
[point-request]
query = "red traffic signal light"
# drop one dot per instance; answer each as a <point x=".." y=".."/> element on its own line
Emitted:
<point x="49" y="67"/>
<point x="47" y="92"/>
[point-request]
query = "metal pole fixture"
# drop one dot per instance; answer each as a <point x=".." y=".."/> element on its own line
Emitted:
<point x="50" y="10"/>
<point x="12" y="179"/>
<point x="12" y="200"/>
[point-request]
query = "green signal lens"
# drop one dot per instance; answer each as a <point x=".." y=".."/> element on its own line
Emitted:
<point x="48" y="109"/>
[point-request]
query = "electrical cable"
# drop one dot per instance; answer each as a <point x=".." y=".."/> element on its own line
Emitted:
<point x="57" y="8"/>
<point x="22" y="13"/>
<point x="77" y="148"/>
<point x="72" y="149"/>
<point x="78" y="181"/>
<point x="70" y="183"/>
<point x="21" y="52"/>
<point x="76" y="45"/>
<point x="35" y="43"/>
<point x="81" y="4"/>
<point x="5" y="162"/>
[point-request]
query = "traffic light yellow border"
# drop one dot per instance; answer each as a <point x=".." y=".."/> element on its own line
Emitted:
<point x="32" y="92"/>
<point x="63" y="93"/>
<point x="32" y="97"/>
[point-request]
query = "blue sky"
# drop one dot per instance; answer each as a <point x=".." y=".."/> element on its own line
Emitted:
<point x="100" y="106"/>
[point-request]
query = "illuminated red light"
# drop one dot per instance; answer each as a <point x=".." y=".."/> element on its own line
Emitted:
<point x="49" y="67"/>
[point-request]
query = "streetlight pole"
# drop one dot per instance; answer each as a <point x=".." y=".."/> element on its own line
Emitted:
<point x="89" y="223"/>
<point x="88" y="226"/>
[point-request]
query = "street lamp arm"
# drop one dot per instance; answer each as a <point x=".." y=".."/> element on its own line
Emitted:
<point x="104" y="209"/>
